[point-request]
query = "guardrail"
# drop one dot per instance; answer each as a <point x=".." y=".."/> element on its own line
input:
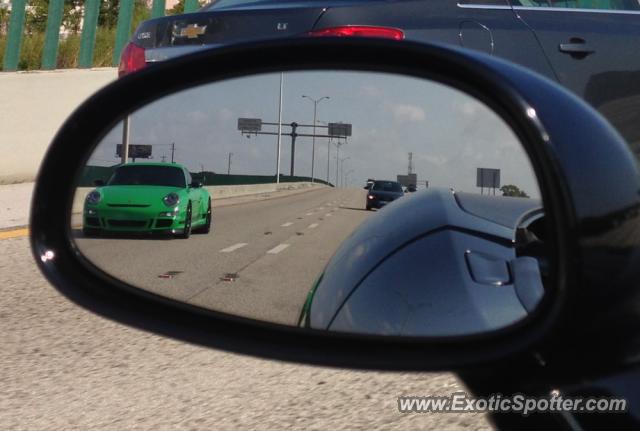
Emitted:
<point x="90" y="10"/>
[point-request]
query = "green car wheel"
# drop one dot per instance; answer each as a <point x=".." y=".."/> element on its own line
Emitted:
<point x="206" y="228"/>
<point x="186" y="233"/>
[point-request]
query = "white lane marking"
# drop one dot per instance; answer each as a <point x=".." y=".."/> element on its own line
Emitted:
<point x="233" y="247"/>
<point x="277" y="249"/>
<point x="328" y="215"/>
<point x="287" y="224"/>
<point x="309" y="214"/>
<point x="313" y="225"/>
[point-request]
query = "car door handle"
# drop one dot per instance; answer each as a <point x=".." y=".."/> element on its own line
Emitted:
<point x="576" y="47"/>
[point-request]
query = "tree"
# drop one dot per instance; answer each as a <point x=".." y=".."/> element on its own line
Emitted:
<point x="511" y="190"/>
<point x="36" y="16"/>
<point x="4" y="19"/>
<point x="179" y="7"/>
<point x="109" y="13"/>
<point x="72" y="15"/>
<point x="38" y="11"/>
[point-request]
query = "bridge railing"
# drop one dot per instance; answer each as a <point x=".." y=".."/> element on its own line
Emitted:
<point x="90" y="10"/>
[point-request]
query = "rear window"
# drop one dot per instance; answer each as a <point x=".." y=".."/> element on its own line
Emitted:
<point x="131" y="175"/>
<point x="387" y="186"/>
<point x="583" y="4"/>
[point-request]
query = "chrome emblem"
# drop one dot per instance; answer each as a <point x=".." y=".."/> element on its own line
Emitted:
<point x="192" y="31"/>
<point x="282" y="26"/>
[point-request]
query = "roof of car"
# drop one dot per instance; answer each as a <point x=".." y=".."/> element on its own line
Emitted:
<point x="177" y="165"/>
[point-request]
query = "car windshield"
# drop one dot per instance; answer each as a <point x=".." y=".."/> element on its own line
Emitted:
<point x="148" y="176"/>
<point x="387" y="186"/>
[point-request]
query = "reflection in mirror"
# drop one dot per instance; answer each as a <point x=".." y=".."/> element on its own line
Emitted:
<point x="402" y="206"/>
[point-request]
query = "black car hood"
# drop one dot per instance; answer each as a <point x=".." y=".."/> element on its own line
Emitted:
<point x="399" y="224"/>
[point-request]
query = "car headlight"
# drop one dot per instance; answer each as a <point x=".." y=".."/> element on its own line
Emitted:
<point x="171" y="199"/>
<point x="94" y="197"/>
<point x="174" y="212"/>
<point x="371" y="197"/>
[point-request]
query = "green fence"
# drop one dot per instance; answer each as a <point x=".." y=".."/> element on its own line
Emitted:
<point x="30" y="36"/>
<point x="92" y="173"/>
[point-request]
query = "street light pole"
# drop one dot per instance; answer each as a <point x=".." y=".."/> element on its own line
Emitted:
<point x="229" y="164"/>
<point x="346" y="176"/>
<point x="124" y="152"/>
<point x="342" y="168"/>
<point x="313" y="145"/>
<point x="279" y="129"/>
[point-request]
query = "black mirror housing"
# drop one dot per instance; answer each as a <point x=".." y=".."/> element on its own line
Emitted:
<point x="577" y="167"/>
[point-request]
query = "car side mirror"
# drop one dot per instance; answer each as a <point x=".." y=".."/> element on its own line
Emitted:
<point x="195" y="184"/>
<point x="368" y="305"/>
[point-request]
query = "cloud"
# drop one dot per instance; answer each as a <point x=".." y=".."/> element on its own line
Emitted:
<point x="369" y="90"/>
<point x="470" y="108"/>
<point x="407" y="113"/>
<point x="196" y="117"/>
<point x="435" y="160"/>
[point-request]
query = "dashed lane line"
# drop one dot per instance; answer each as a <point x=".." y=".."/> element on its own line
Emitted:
<point x="233" y="247"/>
<point x="277" y="249"/>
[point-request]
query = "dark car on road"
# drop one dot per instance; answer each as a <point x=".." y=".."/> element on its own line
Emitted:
<point x="590" y="47"/>
<point x="382" y="192"/>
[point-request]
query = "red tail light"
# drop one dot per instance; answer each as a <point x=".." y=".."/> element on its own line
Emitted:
<point x="131" y="59"/>
<point x="359" y="31"/>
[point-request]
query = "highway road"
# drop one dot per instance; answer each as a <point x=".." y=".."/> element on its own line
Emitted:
<point x="64" y="368"/>
<point x="274" y="248"/>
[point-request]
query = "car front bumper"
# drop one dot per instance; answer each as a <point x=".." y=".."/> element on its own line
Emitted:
<point x="139" y="220"/>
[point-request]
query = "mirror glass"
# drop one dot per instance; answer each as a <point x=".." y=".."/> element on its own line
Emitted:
<point x="402" y="206"/>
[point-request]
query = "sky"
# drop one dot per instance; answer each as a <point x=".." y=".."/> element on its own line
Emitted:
<point x="450" y="133"/>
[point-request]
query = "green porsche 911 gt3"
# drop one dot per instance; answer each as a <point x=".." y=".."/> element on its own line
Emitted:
<point x="147" y="198"/>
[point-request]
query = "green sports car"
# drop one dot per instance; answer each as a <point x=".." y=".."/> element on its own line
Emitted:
<point x="147" y="198"/>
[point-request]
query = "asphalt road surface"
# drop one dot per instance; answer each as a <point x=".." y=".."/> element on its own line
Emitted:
<point x="64" y="368"/>
<point x="260" y="260"/>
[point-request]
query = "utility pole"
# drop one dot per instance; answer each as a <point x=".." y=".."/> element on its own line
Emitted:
<point x="329" y="143"/>
<point x="279" y="130"/>
<point x="294" y="126"/>
<point x="203" y="174"/>
<point x="124" y="153"/>
<point x="345" y="183"/>
<point x="313" y="145"/>
<point x="173" y="151"/>
<point x="229" y="164"/>
<point x="342" y="168"/>
<point x="337" y="161"/>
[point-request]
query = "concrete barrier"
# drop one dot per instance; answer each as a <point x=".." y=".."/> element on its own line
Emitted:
<point x="33" y="106"/>
<point x="220" y="193"/>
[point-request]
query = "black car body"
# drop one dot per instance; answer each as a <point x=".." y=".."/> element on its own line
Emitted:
<point x="502" y="281"/>
<point x="590" y="48"/>
<point x="380" y="193"/>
